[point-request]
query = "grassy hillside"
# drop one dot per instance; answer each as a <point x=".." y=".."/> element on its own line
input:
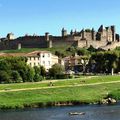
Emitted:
<point x="26" y="50"/>
<point x="61" y="50"/>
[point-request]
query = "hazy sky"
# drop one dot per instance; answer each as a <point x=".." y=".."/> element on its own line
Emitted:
<point x="40" y="16"/>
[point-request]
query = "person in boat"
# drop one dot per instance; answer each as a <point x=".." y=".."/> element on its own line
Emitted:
<point x="77" y="113"/>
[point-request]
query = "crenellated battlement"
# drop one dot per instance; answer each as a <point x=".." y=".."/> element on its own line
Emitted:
<point x="83" y="38"/>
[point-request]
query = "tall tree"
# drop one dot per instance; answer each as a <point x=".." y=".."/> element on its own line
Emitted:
<point x="83" y="60"/>
<point x="56" y="70"/>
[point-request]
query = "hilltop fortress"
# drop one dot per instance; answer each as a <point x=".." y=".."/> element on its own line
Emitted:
<point x="105" y="38"/>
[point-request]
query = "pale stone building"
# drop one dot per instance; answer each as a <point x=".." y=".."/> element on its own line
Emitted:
<point x="36" y="58"/>
<point x="71" y="61"/>
<point x="43" y="58"/>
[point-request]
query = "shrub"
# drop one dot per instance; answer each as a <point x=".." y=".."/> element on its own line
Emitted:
<point x="56" y="69"/>
<point x="16" y="77"/>
<point x="5" y="77"/>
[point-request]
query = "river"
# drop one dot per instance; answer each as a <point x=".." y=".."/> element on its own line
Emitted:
<point x="92" y="112"/>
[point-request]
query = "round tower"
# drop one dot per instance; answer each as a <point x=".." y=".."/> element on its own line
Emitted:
<point x="93" y="34"/>
<point x="64" y="32"/>
<point x="10" y="36"/>
<point x="71" y="32"/>
<point x="47" y="36"/>
<point x="83" y="33"/>
<point x="113" y="33"/>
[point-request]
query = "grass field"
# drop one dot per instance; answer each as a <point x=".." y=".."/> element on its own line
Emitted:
<point x="62" y="50"/>
<point x="27" y="50"/>
<point x="75" y="81"/>
<point x="50" y="96"/>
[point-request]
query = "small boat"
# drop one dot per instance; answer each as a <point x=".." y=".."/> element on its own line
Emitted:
<point x="76" y="113"/>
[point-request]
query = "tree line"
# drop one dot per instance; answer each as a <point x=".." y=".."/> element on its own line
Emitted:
<point x="15" y="70"/>
<point x="105" y="62"/>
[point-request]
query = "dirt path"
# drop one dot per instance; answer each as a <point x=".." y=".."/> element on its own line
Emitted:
<point x="49" y="87"/>
<point x="83" y="78"/>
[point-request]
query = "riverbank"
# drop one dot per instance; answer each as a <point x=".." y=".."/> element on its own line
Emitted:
<point x="87" y="93"/>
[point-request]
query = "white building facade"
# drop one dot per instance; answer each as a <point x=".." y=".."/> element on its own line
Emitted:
<point x="41" y="58"/>
<point x="36" y="58"/>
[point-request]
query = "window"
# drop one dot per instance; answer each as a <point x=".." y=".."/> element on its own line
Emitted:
<point x="30" y="64"/>
<point x="34" y="58"/>
<point x="43" y="55"/>
<point x="44" y="62"/>
<point x="38" y="54"/>
<point x="29" y="58"/>
<point x="49" y="55"/>
<point x="34" y="64"/>
<point x="49" y="63"/>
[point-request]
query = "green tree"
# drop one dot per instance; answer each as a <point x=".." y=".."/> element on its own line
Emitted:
<point x="4" y="65"/>
<point x="5" y="77"/>
<point x="16" y="77"/>
<point x="56" y="70"/>
<point x="91" y="49"/>
<point x="99" y="61"/>
<point x="30" y="74"/>
<point x="105" y="61"/>
<point x="112" y="59"/>
<point x="82" y="51"/>
<point x="60" y="54"/>
<point x="16" y="69"/>
<point x="42" y="71"/>
<point x="37" y="76"/>
<point x="83" y="60"/>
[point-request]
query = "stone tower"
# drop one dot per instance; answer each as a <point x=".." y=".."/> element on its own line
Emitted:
<point x="64" y="32"/>
<point x="10" y="36"/>
<point x="47" y="36"/>
<point x="71" y="33"/>
<point x="113" y="33"/>
<point x="19" y="46"/>
<point x="102" y="33"/>
<point x="83" y="33"/>
<point x="49" y="44"/>
<point x="93" y="34"/>
<point x="109" y="34"/>
<point x="48" y="41"/>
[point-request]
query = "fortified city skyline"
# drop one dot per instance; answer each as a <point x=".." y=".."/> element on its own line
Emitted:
<point x="59" y="59"/>
<point x="22" y="17"/>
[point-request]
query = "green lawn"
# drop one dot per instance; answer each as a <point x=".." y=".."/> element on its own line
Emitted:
<point x="49" y="96"/>
<point x="26" y="50"/>
<point x="85" y="94"/>
<point x="76" y="81"/>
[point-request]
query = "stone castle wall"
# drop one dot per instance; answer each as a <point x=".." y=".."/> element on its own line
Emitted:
<point x="29" y="42"/>
<point x="84" y="38"/>
<point x="62" y="42"/>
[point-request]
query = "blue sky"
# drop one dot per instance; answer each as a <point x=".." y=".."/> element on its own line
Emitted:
<point x="40" y="16"/>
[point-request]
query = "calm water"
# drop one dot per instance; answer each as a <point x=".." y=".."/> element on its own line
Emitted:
<point x="61" y="113"/>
